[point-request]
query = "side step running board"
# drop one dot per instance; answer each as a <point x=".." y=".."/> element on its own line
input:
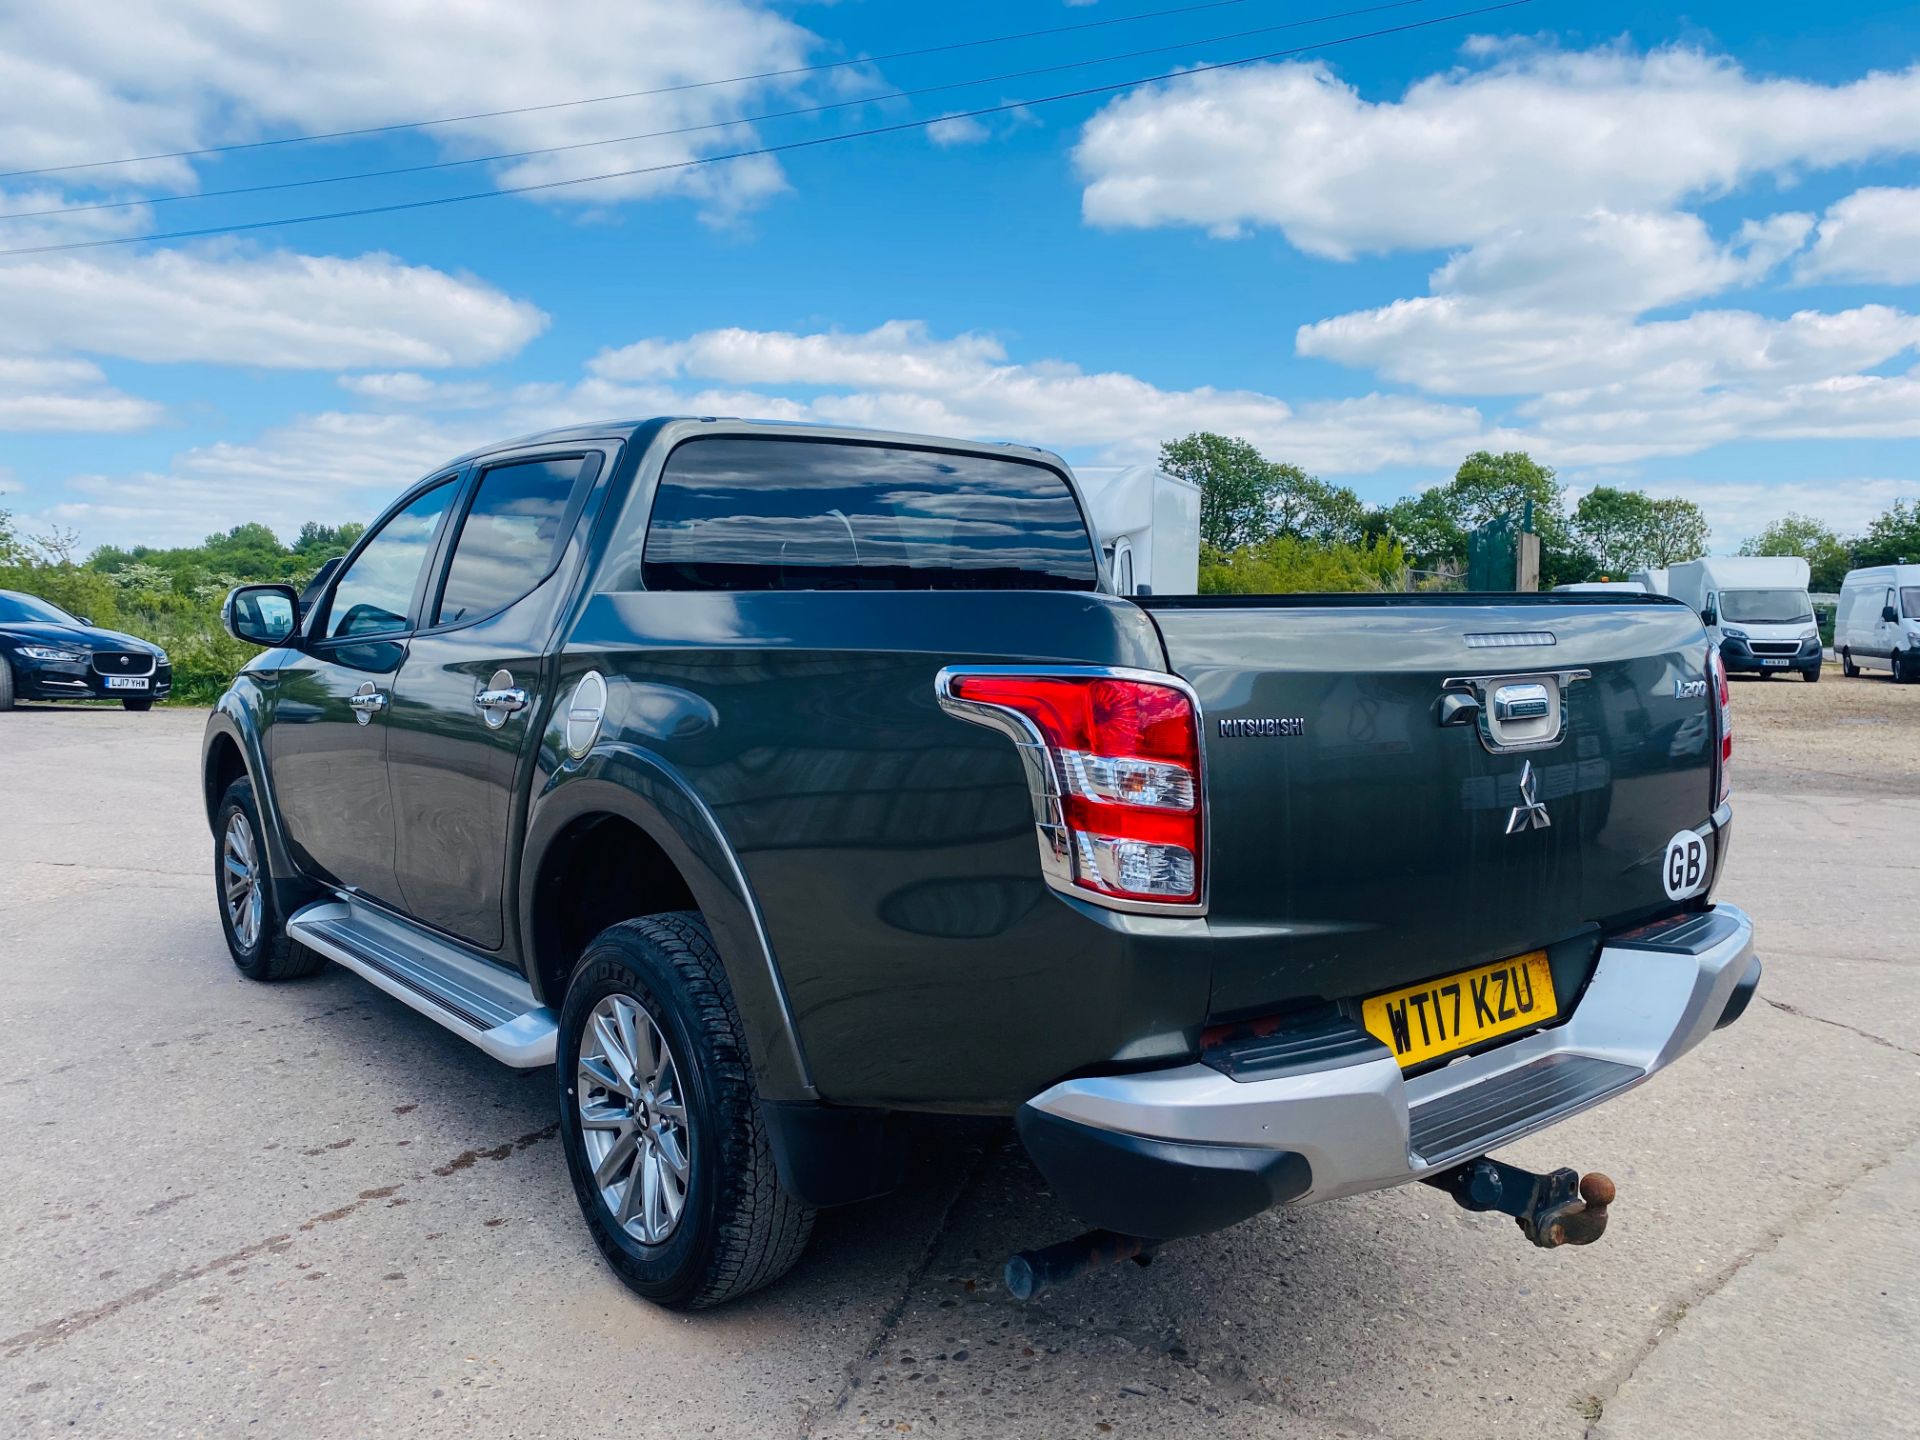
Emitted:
<point x="480" y="1002"/>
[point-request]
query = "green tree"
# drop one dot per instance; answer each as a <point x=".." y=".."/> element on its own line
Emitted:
<point x="1892" y="536"/>
<point x="1826" y="554"/>
<point x="1236" y="487"/>
<point x="1625" y="530"/>
<point x="1434" y="524"/>
<point x="1246" y="498"/>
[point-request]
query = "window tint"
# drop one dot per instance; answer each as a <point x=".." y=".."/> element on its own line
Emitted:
<point x="376" y="590"/>
<point x="1910" y="601"/>
<point x="752" y="514"/>
<point x="510" y="538"/>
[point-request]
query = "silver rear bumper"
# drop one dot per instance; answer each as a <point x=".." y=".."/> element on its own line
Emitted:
<point x="1364" y="1126"/>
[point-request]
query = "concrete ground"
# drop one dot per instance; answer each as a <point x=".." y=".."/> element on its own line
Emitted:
<point x="239" y="1209"/>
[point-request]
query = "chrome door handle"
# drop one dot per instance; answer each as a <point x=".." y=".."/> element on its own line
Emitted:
<point x="505" y="701"/>
<point x="366" y="702"/>
<point x="500" y="699"/>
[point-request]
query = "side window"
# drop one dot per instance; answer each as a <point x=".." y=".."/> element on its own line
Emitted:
<point x="511" y="537"/>
<point x="376" y="590"/>
<point x="745" y="513"/>
<point x="1910" y="601"/>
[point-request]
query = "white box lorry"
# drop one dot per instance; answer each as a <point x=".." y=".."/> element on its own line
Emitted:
<point x="1756" y="609"/>
<point x="1149" y="527"/>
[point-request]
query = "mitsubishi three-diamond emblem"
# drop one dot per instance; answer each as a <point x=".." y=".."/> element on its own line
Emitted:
<point x="1529" y="814"/>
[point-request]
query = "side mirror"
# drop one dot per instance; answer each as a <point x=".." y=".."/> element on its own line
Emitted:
<point x="1143" y="589"/>
<point x="86" y="620"/>
<point x="1709" y="616"/>
<point x="261" y="614"/>
<point x="1888" y="613"/>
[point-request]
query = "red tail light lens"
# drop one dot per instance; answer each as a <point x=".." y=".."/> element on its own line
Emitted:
<point x="1723" y="726"/>
<point x="1117" y="797"/>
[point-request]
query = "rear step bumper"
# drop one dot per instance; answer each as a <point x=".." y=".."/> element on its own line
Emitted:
<point x="1190" y="1149"/>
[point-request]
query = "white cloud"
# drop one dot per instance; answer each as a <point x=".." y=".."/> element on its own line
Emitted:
<point x="1738" y="509"/>
<point x="280" y="310"/>
<point x="957" y="130"/>
<point x="329" y="467"/>
<point x="1535" y="135"/>
<point x="1454" y="345"/>
<point x="42" y="394"/>
<point x="897" y="353"/>
<point x="1872" y="235"/>
<point x="1607" y="261"/>
<point x="123" y="77"/>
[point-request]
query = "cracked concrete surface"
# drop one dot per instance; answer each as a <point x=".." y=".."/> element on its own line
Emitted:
<point x="305" y="1209"/>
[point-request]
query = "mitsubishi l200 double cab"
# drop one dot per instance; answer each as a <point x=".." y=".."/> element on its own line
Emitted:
<point x="771" y="783"/>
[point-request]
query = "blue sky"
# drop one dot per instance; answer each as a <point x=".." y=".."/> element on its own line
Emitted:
<point x="1679" y="252"/>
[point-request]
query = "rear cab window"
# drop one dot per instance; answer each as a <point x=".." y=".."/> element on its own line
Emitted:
<point x="754" y="513"/>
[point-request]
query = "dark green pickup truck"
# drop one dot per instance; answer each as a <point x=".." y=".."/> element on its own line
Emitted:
<point x="775" y="782"/>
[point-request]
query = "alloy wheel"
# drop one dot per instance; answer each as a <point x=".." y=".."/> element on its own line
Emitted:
<point x="240" y="881"/>
<point x="633" y="1119"/>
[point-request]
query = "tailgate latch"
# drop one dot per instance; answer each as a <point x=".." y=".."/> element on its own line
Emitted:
<point x="1511" y="712"/>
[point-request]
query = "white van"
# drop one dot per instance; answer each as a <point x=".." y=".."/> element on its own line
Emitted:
<point x="1877" y="626"/>
<point x="1755" y="608"/>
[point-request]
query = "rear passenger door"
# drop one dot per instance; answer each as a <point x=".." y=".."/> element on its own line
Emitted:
<point x="473" y="687"/>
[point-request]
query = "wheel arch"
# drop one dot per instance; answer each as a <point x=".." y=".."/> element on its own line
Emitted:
<point x="231" y="748"/>
<point x="622" y="793"/>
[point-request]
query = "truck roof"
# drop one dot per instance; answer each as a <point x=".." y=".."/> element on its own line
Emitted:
<point x="648" y="430"/>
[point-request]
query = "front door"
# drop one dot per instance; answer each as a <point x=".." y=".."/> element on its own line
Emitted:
<point x="333" y="697"/>
<point x="471" y="694"/>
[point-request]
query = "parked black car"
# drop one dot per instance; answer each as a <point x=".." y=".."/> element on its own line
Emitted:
<point x="773" y="782"/>
<point x="47" y="654"/>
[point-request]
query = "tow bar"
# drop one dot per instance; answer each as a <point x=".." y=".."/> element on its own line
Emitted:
<point x="1558" y="1208"/>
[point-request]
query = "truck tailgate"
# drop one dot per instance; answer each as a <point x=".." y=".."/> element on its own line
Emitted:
<point x="1357" y="843"/>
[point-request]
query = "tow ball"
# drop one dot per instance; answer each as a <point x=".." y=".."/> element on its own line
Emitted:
<point x="1558" y="1208"/>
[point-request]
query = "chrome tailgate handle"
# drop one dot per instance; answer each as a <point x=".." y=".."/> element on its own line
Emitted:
<point x="1521" y="702"/>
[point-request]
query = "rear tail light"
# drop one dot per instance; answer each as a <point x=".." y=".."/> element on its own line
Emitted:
<point x="1723" y="726"/>
<point x="1113" y="764"/>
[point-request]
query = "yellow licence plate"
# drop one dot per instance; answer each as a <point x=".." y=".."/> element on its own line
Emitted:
<point x="1458" y="1011"/>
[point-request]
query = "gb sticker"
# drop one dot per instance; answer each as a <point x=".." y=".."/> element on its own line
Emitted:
<point x="1684" y="871"/>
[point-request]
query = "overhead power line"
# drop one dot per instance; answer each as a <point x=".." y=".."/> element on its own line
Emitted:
<point x="885" y="95"/>
<point x="780" y="149"/>
<point x="942" y="49"/>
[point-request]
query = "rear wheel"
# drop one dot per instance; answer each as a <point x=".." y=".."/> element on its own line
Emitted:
<point x="137" y="702"/>
<point x="669" y="1159"/>
<point x="250" y="915"/>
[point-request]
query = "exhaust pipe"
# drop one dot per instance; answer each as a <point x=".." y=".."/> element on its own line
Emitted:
<point x="1032" y="1271"/>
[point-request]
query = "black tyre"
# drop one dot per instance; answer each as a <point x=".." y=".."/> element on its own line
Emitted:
<point x="136" y="703"/>
<point x="250" y="916"/>
<point x="1812" y="677"/>
<point x="1902" y="669"/>
<point x="663" y="1137"/>
<point x="1847" y="667"/>
<point x="6" y="684"/>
